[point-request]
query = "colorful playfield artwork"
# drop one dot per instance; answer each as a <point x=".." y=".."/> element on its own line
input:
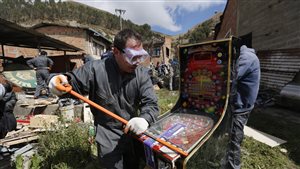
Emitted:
<point x="21" y="78"/>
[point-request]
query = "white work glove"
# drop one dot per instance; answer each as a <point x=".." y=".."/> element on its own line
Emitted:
<point x="52" y="84"/>
<point x="2" y="91"/>
<point x="137" y="125"/>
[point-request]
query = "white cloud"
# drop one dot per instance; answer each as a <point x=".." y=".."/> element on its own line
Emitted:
<point x="160" y="13"/>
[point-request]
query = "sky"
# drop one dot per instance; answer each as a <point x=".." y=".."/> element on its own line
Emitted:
<point x="171" y="17"/>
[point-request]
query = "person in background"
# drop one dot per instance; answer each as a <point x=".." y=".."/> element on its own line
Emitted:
<point x="7" y="103"/>
<point x="121" y="85"/>
<point x="171" y="74"/>
<point x="107" y="53"/>
<point x="86" y="58"/>
<point x="41" y="64"/>
<point x="246" y="84"/>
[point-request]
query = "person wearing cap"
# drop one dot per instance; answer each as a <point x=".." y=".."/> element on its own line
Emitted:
<point x="7" y="103"/>
<point x="41" y="64"/>
<point x="121" y="85"/>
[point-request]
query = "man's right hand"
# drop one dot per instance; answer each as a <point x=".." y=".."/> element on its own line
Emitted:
<point x="53" y="83"/>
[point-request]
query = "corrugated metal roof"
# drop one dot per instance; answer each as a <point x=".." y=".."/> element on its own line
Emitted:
<point x="12" y="34"/>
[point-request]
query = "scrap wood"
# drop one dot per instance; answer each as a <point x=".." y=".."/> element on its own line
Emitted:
<point x="44" y="101"/>
<point x="5" y="140"/>
<point x="16" y="132"/>
<point x="43" y="121"/>
<point x="21" y="136"/>
<point x="156" y="87"/>
<point x="23" y="140"/>
<point x="23" y="150"/>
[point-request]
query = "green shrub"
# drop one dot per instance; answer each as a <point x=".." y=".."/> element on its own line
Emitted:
<point x="65" y="147"/>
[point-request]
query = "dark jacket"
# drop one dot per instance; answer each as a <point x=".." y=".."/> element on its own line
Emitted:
<point x="40" y="62"/>
<point x="247" y="80"/>
<point x="124" y="95"/>
<point x="7" y="118"/>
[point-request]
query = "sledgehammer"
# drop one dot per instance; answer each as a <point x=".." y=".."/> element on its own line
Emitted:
<point x="68" y="89"/>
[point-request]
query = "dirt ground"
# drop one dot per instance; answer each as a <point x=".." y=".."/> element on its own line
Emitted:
<point x="282" y="113"/>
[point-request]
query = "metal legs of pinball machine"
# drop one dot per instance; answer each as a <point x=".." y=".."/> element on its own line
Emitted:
<point x="199" y="122"/>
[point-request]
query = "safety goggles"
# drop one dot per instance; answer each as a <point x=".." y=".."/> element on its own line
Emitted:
<point x="135" y="57"/>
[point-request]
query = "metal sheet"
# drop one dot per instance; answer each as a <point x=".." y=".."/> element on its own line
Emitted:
<point x="278" y="67"/>
<point x="21" y="78"/>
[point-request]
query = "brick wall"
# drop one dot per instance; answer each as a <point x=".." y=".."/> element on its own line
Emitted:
<point x="73" y="36"/>
<point x="229" y="22"/>
<point x="13" y="52"/>
<point x="275" y="24"/>
<point x="167" y="44"/>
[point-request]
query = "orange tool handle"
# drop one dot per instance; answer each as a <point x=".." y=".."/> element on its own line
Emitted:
<point x="68" y="89"/>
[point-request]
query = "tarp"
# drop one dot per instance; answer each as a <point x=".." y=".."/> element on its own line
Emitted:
<point x="21" y="78"/>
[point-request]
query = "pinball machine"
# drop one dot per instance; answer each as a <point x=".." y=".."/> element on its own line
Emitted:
<point x="198" y="124"/>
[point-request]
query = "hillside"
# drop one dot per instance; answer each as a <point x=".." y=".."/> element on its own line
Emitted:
<point x="200" y="32"/>
<point x="30" y="12"/>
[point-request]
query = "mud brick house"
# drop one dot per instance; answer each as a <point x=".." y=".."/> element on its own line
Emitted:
<point x="160" y="49"/>
<point x="13" y="36"/>
<point x="15" y="39"/>
<point x="87" y="39"/>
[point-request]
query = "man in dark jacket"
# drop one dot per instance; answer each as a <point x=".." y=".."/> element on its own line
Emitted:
<point x="246" y="84"/>
<point x="7" y="103"/>
<point x="122" y="86"/>
<point x="42" y="64"/>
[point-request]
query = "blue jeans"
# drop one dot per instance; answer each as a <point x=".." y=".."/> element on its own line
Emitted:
<point x="236" y="137"/>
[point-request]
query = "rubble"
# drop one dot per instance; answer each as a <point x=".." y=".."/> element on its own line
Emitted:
<point x="35" y="116"/>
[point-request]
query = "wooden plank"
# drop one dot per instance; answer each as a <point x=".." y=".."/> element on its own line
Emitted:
<point x="5" y="140"/>
<point x="12" y="133"/>
<point x="23" y="140"/>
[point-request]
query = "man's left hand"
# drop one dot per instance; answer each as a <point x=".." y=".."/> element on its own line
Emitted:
<point x="137" y="125"/>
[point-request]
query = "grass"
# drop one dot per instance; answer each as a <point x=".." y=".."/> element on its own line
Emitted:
<point x="166" y="99"/>
<point x="259" y="155"/>
<point x="68" y="147"/>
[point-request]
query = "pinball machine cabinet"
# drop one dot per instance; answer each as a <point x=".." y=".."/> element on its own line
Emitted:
<point x="198" y="123"/>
